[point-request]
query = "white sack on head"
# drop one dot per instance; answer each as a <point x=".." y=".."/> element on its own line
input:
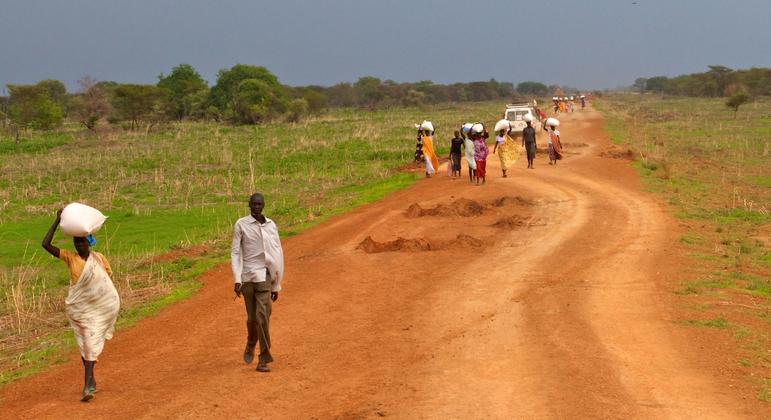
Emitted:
<point x="81" y="220"/>
<point x="478" y="128"/>
<point x="502" y="125"/>
<point x="466" y="127"/>
<point x="426" y="125"/>
<point x="528" y="118"/>
<point x="552" y="122"/>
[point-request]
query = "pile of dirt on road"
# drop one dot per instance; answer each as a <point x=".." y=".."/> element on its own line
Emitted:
<point x="461" y="207"/>
<point x="508" y="200"/>
<point x="511" y="222"/>
<point x="371" y="246"/>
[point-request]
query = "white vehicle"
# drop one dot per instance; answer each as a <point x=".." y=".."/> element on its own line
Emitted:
<point x="515" y="113"/>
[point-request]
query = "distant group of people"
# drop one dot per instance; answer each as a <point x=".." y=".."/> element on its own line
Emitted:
<point x="563" y="104"/>
<point x="470" y="142"/>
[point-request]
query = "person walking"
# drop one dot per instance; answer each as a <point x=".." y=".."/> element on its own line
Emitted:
<point x="455" y="153"/>
<point x="506" y="149"/>
<point x="92" y="303"/>
<point x="555" y="146"/>
<point x="528" y="140"/>
<point x="257" y="261"/>
<point x="481" y="150"/>
<point x="468" y="146"/>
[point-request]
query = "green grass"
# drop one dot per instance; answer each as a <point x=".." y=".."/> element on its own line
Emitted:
<point x="719" y="323"/>
<point x="178" y="186"/>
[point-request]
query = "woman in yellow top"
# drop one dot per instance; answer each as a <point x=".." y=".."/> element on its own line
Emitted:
<point x="92" y="304"/>
<point x="508" y="150"/>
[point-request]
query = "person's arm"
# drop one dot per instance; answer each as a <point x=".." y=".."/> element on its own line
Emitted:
<point x="106" y="265"/>
<point x="50" y="236"/>
<point x="495" y="147"/>
<point x="236" y="259"/>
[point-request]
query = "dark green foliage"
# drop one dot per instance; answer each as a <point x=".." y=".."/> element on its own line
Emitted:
<point x="656" y="84"/>
<point x="719" y="81"/>
<point x="736" y="100"/>
<point x="32" y="106"/>
<point x="141" y="103"/>
<point x="371" y="92"/>
<point x="186" y="87"/>
<point x="533" y="88"/>
<point x="248" y="94"/>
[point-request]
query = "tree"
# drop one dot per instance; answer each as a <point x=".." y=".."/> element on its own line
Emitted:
<point x="248" y="94"/>
<point x="368" y="89"/>
<point x="183" y="82"/>
<point x="142" y="103"/>
<point x="29" y="106"/>
<point x="736" y="100"/>
<point x="656" y="84"/>
<point x="721" y="77"/>
<point x="639" y="84"/>
<point x="91" y="104"/>
<point x="532" y="88"/>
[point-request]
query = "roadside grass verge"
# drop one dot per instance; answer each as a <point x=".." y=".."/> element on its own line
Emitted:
<point x="714" y="172"/>
<point x="176" y="191"/>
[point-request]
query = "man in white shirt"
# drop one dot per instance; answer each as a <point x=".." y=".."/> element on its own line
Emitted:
<point x="258" y="267"/>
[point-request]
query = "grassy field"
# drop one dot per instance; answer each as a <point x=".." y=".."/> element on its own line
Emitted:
<point x="714" y="170"/>
<point x="180" y="188"/>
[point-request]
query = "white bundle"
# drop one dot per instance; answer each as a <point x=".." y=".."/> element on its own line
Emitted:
<point x="528" y="118"/>
<point x="426" y="125"/>
<point x="552" y="122"/>
<point x="502" y="125"/>
<point x="81" y="220"/>
<point x="478" y="128"/>
<point x="466" y="127"/>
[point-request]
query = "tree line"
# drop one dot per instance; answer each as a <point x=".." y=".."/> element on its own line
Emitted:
<point x="242" y="94"/>
<point x="718" y="81"/>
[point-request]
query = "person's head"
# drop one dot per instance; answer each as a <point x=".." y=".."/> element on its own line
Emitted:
<point x="426" y="132"/>
<point x="457" y="133"/>
<point x="553" y="127"/>
<point x="256" y="204"/>
<point x="529" y="123"/>
<point x="501" y="132"/>
<point x="81" y="244"/>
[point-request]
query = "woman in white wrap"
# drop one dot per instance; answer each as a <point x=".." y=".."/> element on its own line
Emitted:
<point x="468" y="145"/>
<point x="92" y="304"/>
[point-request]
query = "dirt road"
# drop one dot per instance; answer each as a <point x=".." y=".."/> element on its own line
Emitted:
<point x="547" y="294"/>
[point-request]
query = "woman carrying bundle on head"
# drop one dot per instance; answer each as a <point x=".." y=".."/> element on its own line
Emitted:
<point x="468" y="145"/>
<point x="419" y="147"/>
<point x="429" y="155"/>
<point x="507" y="149"/>
<point x="555" y="146"/>
<point x="479" y="134"/>
<point x="92" y="304"/>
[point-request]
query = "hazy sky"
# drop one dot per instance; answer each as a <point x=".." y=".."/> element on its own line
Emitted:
<point x="586" y="44"/>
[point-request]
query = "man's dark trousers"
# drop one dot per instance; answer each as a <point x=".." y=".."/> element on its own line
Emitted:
<point x="258" y="307"/>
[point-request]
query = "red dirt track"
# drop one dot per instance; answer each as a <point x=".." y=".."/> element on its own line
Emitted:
<point x="547" y="294"/>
